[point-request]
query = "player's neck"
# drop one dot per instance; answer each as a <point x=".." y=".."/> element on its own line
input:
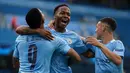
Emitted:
<point x="61" y="30"/>
<point x="41" y="27"/>
<point x="107" y="38"/>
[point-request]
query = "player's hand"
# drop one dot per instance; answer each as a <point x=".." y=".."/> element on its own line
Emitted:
<point x="93" y="41"/>
<point x="51" y="24"/>
<point x="45" y="33"/>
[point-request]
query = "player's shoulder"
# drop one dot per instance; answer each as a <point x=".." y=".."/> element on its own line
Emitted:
<point x="59" y="40"/>
<point x="72" y="33"/>
<point x="21" y="38"/>
<point x="118" y="42"/>
<point x="56" y="38"/>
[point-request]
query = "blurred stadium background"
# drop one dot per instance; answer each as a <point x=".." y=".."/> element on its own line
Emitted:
<point x="84" y="16"/>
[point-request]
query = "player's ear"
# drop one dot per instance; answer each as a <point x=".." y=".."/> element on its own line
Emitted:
<point x="104" y="28"/>
<point x="55" y="15"/>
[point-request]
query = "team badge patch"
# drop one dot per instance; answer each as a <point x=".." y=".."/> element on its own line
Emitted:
<point x="68" y="40"/>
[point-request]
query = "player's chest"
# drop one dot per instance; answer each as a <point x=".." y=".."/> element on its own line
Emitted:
<point x="99" y="52"/>
<point x="70" y="39"/>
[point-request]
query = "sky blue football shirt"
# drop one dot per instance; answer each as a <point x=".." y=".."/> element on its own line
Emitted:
<point x="35" y="52"/>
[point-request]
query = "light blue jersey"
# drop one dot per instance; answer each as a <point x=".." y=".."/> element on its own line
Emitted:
<point x="103" y="64"/>
<point x="59" y="61"/>
<point x="35" y="53"/>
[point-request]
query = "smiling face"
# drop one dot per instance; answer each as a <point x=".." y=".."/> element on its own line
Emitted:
<point x="62" y="17"/>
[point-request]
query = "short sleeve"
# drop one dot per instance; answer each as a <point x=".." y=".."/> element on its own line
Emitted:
<point x="16" y="53"/>
<point x="62" y="46"/>
<point x="119" y="48"/>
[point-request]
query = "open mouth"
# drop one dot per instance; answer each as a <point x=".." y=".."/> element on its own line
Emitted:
<point x="64" y="21"/>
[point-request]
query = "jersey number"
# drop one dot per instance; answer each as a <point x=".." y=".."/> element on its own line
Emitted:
<point x="32" y="55"/>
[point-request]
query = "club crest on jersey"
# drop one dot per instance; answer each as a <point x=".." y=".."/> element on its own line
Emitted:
<point x="69" y="41"/>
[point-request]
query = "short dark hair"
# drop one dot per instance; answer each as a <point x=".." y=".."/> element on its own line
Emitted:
<point x="110" y="22"/>
<point x="34" y="18"/>
<point x="57" y="7"/>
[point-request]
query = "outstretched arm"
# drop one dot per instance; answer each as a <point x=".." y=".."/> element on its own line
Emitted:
<point x="23" y="30"/>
